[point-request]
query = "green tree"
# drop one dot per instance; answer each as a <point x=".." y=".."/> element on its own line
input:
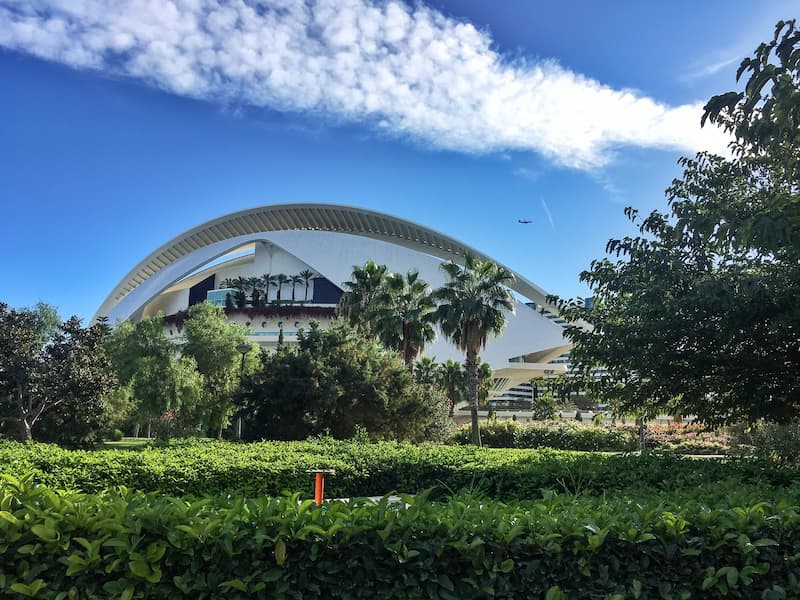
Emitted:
<point x="267" y="282"/>
<point x="37" y="380"/>
<point x="698" y="314"/>
<point x="306" y="276"/>
<point x="473" y="304"/>
<point x="240" y="284"/>
<point x="337" y="381"/>
<point x="402" y="315"/>
<point x="142" y="356"/>
<point x="295" y="280"/>
<point x="212" y="342"/>
<point x="358" y="302"/>
<point x="452" y="380"/>
<point x="426" y="371"/>
<point x="254" y="284"/>
<point x="48" y="322"/>
<point x="280" y="280"/>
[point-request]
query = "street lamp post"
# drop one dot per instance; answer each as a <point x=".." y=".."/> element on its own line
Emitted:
<point x="243" y="348"/>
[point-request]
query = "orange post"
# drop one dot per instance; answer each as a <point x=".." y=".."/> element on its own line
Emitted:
<point x="319" y="484"/>
<point x="319" y="488"/>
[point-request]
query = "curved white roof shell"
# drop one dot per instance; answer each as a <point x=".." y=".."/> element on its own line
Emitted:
<point x="167" y="265"/>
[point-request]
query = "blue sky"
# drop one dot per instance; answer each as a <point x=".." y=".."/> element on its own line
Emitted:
<point x="124" y="124"/>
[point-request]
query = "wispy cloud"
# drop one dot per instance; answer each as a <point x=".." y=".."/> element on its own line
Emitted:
<point x="547" y="212"/>
<point x="707" y="69"/>
<point x="526" y="173"/>
<point x="405" y="70"/>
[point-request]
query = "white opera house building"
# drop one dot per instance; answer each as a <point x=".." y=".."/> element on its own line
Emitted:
<point x="323" y="242"/>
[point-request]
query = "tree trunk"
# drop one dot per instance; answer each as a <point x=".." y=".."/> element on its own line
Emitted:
<point x="25" y="428"/>
<point x="136" y="427"/>
<point x="149" y="425"/>
<point x="471" y="368"/>
<point x="221" y="428"/>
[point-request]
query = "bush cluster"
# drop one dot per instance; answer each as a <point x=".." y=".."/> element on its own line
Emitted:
<point x="703" y="543"/>
<point x="559" y="435"/>
<point x="574" y="435"/>
<point x="362" y="469"/>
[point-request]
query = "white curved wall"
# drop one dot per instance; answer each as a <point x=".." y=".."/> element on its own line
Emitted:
<point x="333" y="255"/>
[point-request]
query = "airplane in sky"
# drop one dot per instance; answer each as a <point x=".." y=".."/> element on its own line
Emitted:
<point x="524" y="221"/>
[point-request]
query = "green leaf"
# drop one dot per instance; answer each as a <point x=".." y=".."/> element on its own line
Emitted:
<point x="140" y="568"/>
<point x="45" y="533"/>
<point x="280" y="552"/>
<point x="506" y="565"/>
<point x="7" y="516"/>
<point x="554" y="593"/>
<point x="273" y="575"/>
<point x="30" y="590"/>
<point x="446" y="582"/>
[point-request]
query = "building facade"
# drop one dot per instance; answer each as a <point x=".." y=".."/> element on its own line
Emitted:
<point x="314" y="247"/>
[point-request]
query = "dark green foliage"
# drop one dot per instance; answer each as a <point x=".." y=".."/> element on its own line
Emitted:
<point x="269" y="468"/>
<point x="335" y="381"/>
<point x="571" y="435"/>
<point x="53" y="390"/>
<point x="778" y="442"/>
<point x="559" y="435"/>
<point x="698" y="313"/>
<point x="702" y="543"/>
<point x="472" y="307"/>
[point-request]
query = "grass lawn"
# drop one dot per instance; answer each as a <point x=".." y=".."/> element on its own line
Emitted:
<point x="127" y="443"/>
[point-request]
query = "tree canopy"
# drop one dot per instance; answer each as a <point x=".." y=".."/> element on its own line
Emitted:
<point x="337" y="381"/>
<point x="52" y="380"/>
<point x="472" y="307"/>
<point x="698" y="313"/>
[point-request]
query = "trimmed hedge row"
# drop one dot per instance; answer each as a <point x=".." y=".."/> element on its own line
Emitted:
<point x="559" y="435"/>
<point x="269" y="468"/>
<point x="572" y="435"/>
<point x="705" y="543"/>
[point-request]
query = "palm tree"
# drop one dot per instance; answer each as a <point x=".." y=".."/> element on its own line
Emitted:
<point x="280" y="279"/>
<point x="451" y="379"/>
<point x="472" y="306"/>
<point x="306" y="275"/>
<point x="426" y="371"/>
<point x="267" y="281"/>
<point x="358" y="301"/>
<point x="255" y="285"/>
<point x="227" y="284"/>
<point x="403" y="315"/>
<point x="294" y="280"/>
<point x="240" y="284"/>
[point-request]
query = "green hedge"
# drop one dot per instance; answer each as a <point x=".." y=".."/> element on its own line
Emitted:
<point x="269" y="468"/>
<point x="572" y="435"/>
<point x="559" y="435"/>
<point x="702" y="543"/>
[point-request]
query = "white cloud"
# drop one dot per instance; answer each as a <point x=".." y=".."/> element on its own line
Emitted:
<point x="409" y="71"/>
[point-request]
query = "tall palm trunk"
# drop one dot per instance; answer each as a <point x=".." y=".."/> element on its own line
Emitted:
<point x="471" y="371"/>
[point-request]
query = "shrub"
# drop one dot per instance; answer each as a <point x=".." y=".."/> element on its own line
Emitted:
<point x="705" y="543"/>
<point x="560" y="435"/>
<point x="336" y="380"/>
<point x="268" y="468"/>
<point x="780" y="443"/>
